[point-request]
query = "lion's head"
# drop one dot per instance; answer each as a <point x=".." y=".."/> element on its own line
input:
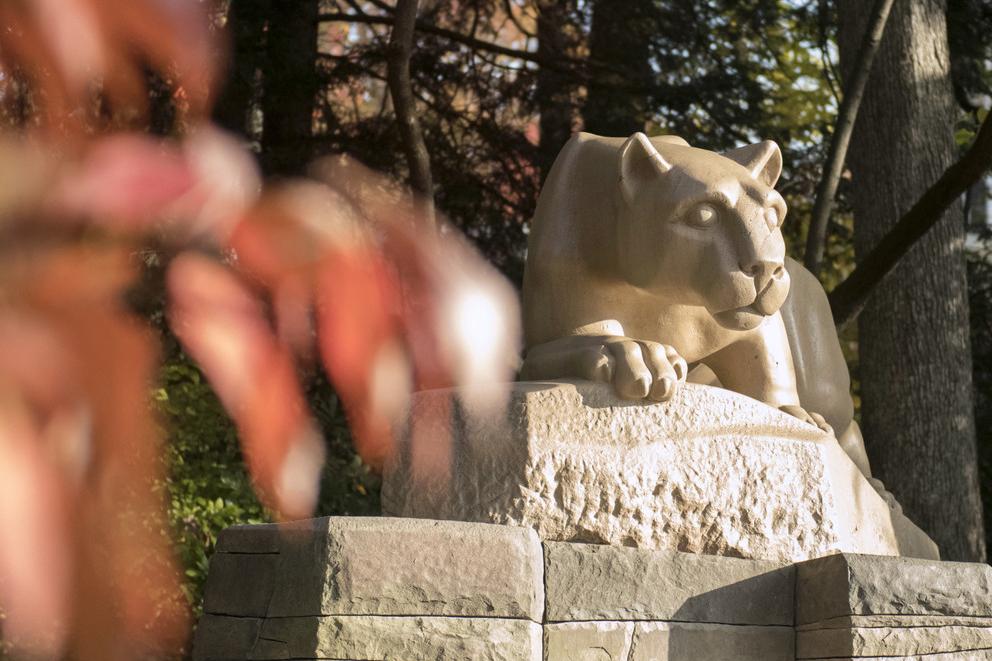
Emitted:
<point x="702" y="228"/>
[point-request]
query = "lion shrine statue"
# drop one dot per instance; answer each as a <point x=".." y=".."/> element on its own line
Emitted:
<point x="651" y="261"/>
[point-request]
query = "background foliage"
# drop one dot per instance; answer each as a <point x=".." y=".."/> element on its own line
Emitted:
<point x="718" y="73"/>
<point x="496" y="102"/>
<point x="208" y="487"/>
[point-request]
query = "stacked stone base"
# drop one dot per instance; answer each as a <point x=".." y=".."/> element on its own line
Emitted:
<point x="866" y="607"/>
<point x="383" y="588"/>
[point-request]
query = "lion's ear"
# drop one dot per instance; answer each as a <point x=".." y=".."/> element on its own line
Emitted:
<point x="763" y="160"/>
<point x="640" y="165"/>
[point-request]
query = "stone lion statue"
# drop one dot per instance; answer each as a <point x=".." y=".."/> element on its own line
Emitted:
<point x="648" y="257"/>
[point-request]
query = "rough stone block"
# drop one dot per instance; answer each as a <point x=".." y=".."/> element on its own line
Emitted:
<point x="709" y="472"/>
<point x="390" y="638"/>
<point x="850" y="584"/>
<point x="596" y="582"/>
<point x="240" y="584"/>
<point x="677" y="641"/>
<point x="897" y="621"/>
<point x="970" y="655"/>
<point x="224" y="638"/>
<point x="257" y="538"/>
<point x="588" y="641"/>
<point x="386" y="566"/>
<point x="891" y="641"/>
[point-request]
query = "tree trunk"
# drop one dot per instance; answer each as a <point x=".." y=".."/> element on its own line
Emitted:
<point x="620" y="54"/>
<point x="246" y="34"/>
<point x="399" y="52"/>
<point x="555" y="88"/>
<point x="915" y="363"/>
<point x="289" y="86"/>
<point x="833" y="169"/>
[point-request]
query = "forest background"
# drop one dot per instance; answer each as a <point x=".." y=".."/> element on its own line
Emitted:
<point x="499" y="85"/>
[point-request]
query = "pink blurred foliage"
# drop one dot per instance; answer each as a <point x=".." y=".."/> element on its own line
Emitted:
<point x="263" y="280"/>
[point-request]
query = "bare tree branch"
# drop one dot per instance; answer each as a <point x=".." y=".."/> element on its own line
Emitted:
<point x="827" y="189"/>
<point x="849" y="297"/>
<point x="399" y="51"/>
<point x="451" y="35"/>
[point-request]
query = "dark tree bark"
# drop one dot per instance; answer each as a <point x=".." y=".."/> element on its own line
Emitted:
<point x="854" y="90"/>
<point x="915" y="362"/>
<point x="849" y="297"/>
<point x="556" y="90"/>
<point x="620" y="47"/>
<point x="405" y="105"/>
<point x="289" y="86"/>
<point x="246" y="35"/>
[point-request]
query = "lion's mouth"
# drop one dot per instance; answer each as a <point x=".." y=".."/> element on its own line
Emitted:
<point x="766" y="303"/>
<point x="768" y="300"/>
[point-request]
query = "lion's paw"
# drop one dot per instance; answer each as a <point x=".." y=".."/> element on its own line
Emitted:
<point x="637" y="369"/>
<point x="640" y="369"/>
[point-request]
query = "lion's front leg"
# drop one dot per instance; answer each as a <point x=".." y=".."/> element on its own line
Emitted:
<point x="811" y="417"/>
<point x="760" y="365"/>
<point x="638" y="369"/>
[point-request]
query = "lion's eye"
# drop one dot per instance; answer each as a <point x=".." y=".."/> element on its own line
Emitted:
<point x="771" y="217"/>
<point x="703" y="215"/>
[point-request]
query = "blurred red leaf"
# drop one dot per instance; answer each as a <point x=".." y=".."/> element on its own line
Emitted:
<point x="126" y="180"/>
<point x="94" y="460"/>
<point x="69" y="48"/>
<point x="222" y="326"/>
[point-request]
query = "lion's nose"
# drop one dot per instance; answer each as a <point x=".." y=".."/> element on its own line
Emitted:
<point x="764" y="269"/>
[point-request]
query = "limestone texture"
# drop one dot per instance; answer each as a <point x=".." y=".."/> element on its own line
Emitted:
<point x="851" y="584"/>
<point x="708" y="472"/>
<point x="372" y="565"/>
<point x="456" y="590"/>
<point x="588" y="641"/>
<point x="225" y="637"/>
<point x="680" y="641"/>
<point x="596" y="582"/>
<point x="970" y="655"/>
<point x="891" y="641"/>
<point x="398" y="638"/>
<point x="229" y="591"/>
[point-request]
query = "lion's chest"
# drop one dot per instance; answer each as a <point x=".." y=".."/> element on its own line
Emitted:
<point x="645" y="316"/>
<point x="690" y="329"/>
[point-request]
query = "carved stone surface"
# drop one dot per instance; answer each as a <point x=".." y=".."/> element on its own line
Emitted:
<point x="891" y="641"/>
<point x="380" y="637"/>
<point x="373" y="566"/>
<point x="447" y="592"/>
<point x="683" y="641"/>
<point x="597" y="582"/>
<point x="860" y="606"/>
<point x="858" y="585"/>
<point x="708" y="472"/>
<point x="646" y="253"/>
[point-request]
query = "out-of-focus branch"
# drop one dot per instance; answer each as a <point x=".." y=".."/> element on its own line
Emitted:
<point x="853" y="93"/>
<point x="400" y="50"/>
<point x="849" y="297"/>
<point x="559" y="64"/>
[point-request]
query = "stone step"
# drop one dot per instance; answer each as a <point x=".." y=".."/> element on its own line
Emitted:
<point x="409" y="589"/>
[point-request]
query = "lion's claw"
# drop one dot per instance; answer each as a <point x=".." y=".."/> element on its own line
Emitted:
<point x="810" y="417"/>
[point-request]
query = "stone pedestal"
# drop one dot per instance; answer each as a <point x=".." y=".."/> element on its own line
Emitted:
<point x="407" y="589"/>
<point x="709" y="472"/>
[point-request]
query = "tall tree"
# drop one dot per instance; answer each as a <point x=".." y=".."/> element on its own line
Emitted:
<point x="620" y="56"/>
<point x="245" y="28"/>
<point x="555" y="89"/>
<point x="840" y="139"/>
<point x="289" y="86"/>
<point x="401" y="41"/>
<point x="914" y="344"/>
